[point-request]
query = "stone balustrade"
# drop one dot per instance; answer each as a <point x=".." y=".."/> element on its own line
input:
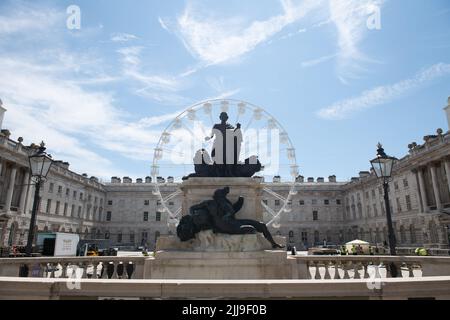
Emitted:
<point x="74" y="267"/>
<point x="363" y="267"/>
<point x="307" y="267"/>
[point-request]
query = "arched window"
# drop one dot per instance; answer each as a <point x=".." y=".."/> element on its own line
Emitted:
<point x="291" y="234"/>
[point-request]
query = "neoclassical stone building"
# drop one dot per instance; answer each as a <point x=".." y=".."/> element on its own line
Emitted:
<point x="130" y="213"/>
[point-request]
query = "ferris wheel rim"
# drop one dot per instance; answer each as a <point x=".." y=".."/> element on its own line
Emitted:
<point x="196" y="106"/>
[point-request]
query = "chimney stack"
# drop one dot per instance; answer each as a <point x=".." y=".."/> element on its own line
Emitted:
<point x="2" y="114"/>
<point x="447" y="111"/>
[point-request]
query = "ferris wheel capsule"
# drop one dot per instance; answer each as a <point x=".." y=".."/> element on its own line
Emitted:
<point x="291" y="153"/>
<point x="224" y="106"/>
<point x="207" y="107"/>
<point x="165" y="137"/>
<point x="191" y="114"/>
<point x="242" y="108"/>
<point x="158" y="153"/>
<point x="177" y="124"/>
<point x="284" y="137"/>
<point x="257" y="114"/>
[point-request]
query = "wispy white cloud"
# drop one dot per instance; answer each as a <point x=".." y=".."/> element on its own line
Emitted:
<point x="216" y="41"/>
<point x="314" y="62"/>
<point x="383" y="94"/>
<point x="123" y="37"/>
<point x="22" y="18"/>
<point x="350" y="18"/>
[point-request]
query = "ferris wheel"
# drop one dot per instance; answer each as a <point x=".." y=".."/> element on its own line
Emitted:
<point x="264" y="136"/>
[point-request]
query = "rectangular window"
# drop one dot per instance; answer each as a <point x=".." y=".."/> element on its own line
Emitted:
<point x="108" y="216"/>
<point x="110" y="202"/>
<point x="106" y="235"/>
<point x="304" y="237"/>
<point x="171" y="203"/>
<point x="132" y="237"/>
<point x="81" y="195"/>
<point x="59" y="189"/>
<point x="65" y="209"/>
<point x="119" y="237"/>
<point x="395" y="185"/>
<point x="72" y="211"/>
<point x="373" y="193"/>
<point x="79" y="211"/>
<point x="302" y="202"/>
<point x="158" y="216"/>
<point x="67" y="191"/>
<point x="315" y="215"/>
<point x="326" y="202"/>
<point x="408" y="202"/>
<point x="146" y="202"/>
<point x="338" y="201"/>
<point x="265" y="202"/>
<point x="57" y="207"/>
<point x="314" y="201"/>
<point x="50" y="187"/>
<point x="145" y="216"/>
<point x="277" y="202"/>
<point x="399" y="206"/>
<point x="158" y="203"/>
<point x="405" y="183"/>
<point x="49" y="204"/>
<point x="74" y="194"/>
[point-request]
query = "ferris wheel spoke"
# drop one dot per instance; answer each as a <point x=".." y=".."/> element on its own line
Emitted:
<point x="269" y="210"/>
<point x="276" y="195"/>
<point x="248" y="124"/>
<point x="172" y="195"/>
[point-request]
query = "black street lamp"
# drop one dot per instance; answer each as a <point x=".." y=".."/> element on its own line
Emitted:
<point x="382" y="165"/>
<point x="40" y="164"/>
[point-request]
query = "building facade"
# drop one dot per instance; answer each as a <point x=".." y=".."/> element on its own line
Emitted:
<point x="130" y="213"/>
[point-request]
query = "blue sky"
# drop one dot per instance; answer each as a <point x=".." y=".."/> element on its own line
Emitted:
<point x="100" y="96"/>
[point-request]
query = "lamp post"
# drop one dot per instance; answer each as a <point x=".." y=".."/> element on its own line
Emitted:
<point x="40" y="164"/>
<point x="382" y="165"/>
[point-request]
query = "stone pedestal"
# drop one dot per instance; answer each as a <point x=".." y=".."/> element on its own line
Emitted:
<point x="265" y="264"/>
<point x="196" y="190"/>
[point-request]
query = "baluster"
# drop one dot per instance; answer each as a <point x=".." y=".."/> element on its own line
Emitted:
<point x="317" y="276"/>
<point x="110" y="268"/>
<point x="327" y="273"/>
<point x="345" y="266"/>
<point x="308" y="271"/>
<point x="388" y="269"/>
<point x="24" y="270"/>
<point x="336" y="270"/>
<point x="64" y="266"/>
<point x="94" y="272"/>
<point x="399" y="269"/>
<point x="83" y="272"/>
<point x="356" y="270"/>
<point x="377" y="271"/>
<point x="410" y="270"/>
<point x="103" y="270"/>
<point x="120" y="270"/>
<point x="130" y="269"/>
<point x="53" y="267"/>
<point x="366" y="267"/>
<point x="41" y="270"/>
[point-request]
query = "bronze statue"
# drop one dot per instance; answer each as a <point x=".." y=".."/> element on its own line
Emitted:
<point x="225" y="153"/>
<point x="219" y="215"/>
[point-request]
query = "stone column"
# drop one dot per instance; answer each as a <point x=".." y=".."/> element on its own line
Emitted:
<point x="1" y="166"/>
<point x="447" y="172"/>
<point x="9" y="193"/>
<point x="418" y="197"/>
<point x="423" y="195"/>
<point x="30" y="198"/>
<point x="437" y="196"/>
<point x="24" y="193"/>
